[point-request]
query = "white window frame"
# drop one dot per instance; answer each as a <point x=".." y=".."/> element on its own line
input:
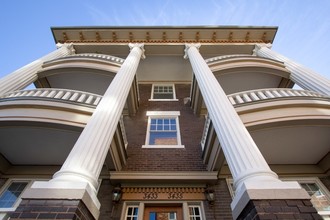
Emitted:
<point x="141" y="205"/>
<point x="163" y="114"/>
<point x="131" y="206"/>
<point x="169" y="85"/>
<point x="195" y="206"/>
<point x="18" y="200"/>
<point x="314" y="180"/>
<point x="319" y="184"/>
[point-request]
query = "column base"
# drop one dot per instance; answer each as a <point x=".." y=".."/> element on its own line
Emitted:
<point x="46" y="193"/>
<point x="266" y="191"/>
<point x="52" y="209"/>
<point x="279" y="209"/>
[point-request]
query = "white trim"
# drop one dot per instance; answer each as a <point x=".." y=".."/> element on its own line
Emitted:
<point x="141" y="206"/>
<point x="163" y="114"/>
<point x="162" y="100"/>
<point x="162" y="146"/>
<point x="163" y="84"/>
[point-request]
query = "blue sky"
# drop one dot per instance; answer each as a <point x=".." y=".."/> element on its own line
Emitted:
<point x="303" y="35"/>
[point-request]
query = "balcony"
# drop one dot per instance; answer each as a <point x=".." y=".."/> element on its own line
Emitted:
<point x="48" y="122"/>
<point x="290" y="127"/>
<point x="87" y="72"/>
<point x="240" y="72"/>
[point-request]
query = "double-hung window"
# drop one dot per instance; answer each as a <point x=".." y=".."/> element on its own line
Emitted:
<point x="163" y="130"/>
<point x="163" y="92"/>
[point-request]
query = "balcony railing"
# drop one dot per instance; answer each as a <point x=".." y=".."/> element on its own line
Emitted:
<point x="76" y="97"/>
<point x="263" y="94"/>
<point x="260" y="95"/>
<point x="225" y="57"/>
<point x="54" y="94"/>
<point x="94" y="56"/>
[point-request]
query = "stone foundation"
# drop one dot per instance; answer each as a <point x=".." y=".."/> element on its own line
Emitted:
<point x="51" y="209"/>
<point x="279" y="209"/>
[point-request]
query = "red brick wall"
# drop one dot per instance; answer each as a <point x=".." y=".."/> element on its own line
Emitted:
<point x="220" y="210"/>
<point x="191" y="128"/>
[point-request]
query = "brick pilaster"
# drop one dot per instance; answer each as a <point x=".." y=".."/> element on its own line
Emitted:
<point x="279" y="209"/>
<point x="51" y="209"/>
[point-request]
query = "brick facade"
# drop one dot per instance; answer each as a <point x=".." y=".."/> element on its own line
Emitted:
<point x="220" y="210"/>
<point x="51" y="209"/>
<point x="279" y="209"/>
<point x="191" y="127"/>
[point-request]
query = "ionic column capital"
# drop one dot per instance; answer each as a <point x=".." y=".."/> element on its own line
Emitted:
<point x="140" y="46"/>
<point x="188" y="46"/>
<point x="257" y="47"/>
<point x="68" y="46"/>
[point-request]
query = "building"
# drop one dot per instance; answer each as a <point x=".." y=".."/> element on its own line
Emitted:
<point x="164" y="123"/>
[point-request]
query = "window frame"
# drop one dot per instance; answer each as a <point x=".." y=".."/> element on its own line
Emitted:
<point x="163" y="114"/>
<point x="165" y="84"/>
<point x="132" y="216"/>
<point x="142" y="204"/>
<point x="19" y="198"/>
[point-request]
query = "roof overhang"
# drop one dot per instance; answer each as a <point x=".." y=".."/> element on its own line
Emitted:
<point x="165" y="34"/>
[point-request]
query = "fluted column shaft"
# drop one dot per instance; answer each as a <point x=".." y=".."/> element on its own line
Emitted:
<point x="242" y="155"/>
<point x="26" y="75"/>
<point x="87" y="157"/>
<point x="304" y="77"/>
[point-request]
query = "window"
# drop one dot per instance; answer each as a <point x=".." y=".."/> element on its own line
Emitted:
<point x="11" y="193"/>
<point x="195" y="213"/>
<point x="163" y="130"/>
<point x="163" y="93"/>
<point x="132" y="213"/>
<point x="318" y="197"/>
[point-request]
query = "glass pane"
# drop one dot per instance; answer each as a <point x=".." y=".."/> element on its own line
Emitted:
<point x="159" y="121"/>
<point x="10" y="195"/>
<point x="173" y="121"/>
<point x="130" y="210"/>
<point x="153" y="121"/>
<point x="153" y="127"/>
<point x="136" y="211"/>
<point x="166" y="121"/>
<point x="152" y="216"/>
<point x="173" y="128"/>
<point x="166" y="127"/>
<point x="163" y="138"/>
<point x="159" y="127"/>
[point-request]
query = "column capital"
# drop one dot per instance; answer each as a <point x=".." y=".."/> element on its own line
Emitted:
<point x="69" y="46"/>
<point x="187" y="47"/>
<point x="259" y="46"/>
<point x="138" y="45"/>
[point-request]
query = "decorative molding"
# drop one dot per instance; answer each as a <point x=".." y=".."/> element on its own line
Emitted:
<point x="163" y="193"/>
<point x="187" y="47"/>
<point x="139" y="45"/>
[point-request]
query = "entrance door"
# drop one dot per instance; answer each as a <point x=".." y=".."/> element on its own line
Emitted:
<point x="163" y="213"/>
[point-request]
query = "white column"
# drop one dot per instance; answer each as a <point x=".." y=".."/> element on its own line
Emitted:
<point x="87" y="157"/>
<point x="304" y="77"/>
<point x="248" y="167"/>
<point x="26" y="75"/>
<point x="243" y="156"/>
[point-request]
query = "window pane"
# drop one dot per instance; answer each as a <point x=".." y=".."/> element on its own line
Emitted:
<point x="152" y="216"/>
<point x="11" y="194"/>
<point x="153" y="121"/>
<point x="163" y="138"/>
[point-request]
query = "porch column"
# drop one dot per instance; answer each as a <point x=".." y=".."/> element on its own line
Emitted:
<point x="78" y="176"/>
<point x="247" y="165"/>
<point x="87" y="157"/>
<point x="304" y="77"/>
<point x="26" y="75"/>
